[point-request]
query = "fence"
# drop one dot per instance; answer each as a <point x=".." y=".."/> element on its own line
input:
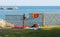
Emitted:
<point x="47" y="19"/>
<point x="52" y="19"/>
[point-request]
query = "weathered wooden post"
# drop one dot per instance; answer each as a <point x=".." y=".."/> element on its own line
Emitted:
<point x="44" y="19"/>
<point x="24" y="22"/>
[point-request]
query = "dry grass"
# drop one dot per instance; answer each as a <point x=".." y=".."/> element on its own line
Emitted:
<point x="49" y="27"/>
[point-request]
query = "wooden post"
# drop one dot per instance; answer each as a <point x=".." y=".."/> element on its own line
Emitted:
<point x="44" y="19"/>
<point x="24" y="22"/>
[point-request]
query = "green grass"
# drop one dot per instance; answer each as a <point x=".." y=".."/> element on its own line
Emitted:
<point x="30" y="33"/>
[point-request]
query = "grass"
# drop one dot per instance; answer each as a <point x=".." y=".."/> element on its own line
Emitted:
<point x="55" y="32"/>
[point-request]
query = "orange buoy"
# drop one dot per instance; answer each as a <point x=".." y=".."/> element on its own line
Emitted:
<point x="35" y="15"/>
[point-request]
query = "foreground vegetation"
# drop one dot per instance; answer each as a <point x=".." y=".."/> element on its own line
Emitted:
<point x="55" y="32"/>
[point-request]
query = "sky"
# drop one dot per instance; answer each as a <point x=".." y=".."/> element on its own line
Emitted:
<point x="29" y="2"/>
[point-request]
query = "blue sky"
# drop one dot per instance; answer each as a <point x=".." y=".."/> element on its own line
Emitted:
<point x="29" y="2"/>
